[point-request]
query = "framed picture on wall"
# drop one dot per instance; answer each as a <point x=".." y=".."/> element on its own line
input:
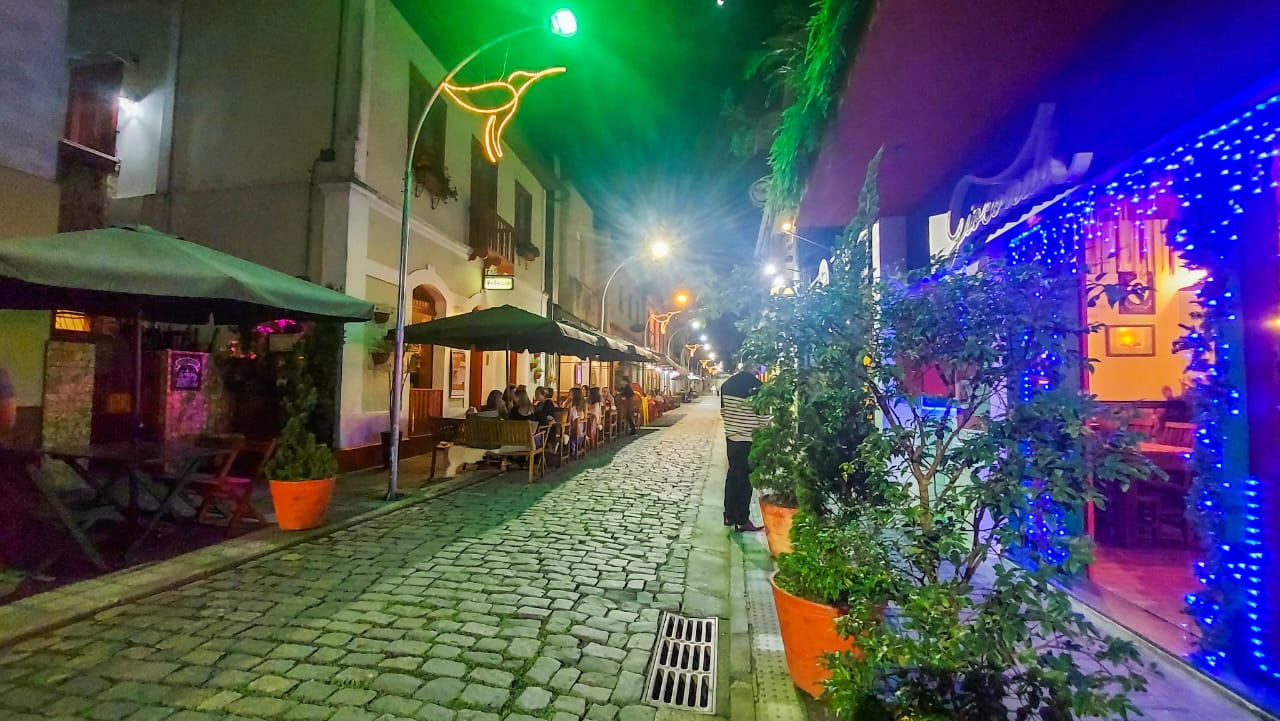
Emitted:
<point x="457" y="374"/>
<point x="1144" y="301"/>
<point x="1131" y="340"/>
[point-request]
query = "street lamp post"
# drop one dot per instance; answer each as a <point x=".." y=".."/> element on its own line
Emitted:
<point x="562" y="23"/>
<point x="657" y="250"/>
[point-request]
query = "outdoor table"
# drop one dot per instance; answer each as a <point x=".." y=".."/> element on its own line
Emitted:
<point x="130" y="457"/>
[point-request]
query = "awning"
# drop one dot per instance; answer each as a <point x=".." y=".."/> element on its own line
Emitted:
<point x="505" y="328"/>
<point x="127" y="272"/>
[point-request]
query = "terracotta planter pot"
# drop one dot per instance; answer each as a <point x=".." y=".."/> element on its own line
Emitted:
<point x="808" y="632"/>
<point x="301" y="504"/>
<point x="379" y="358"/>
<point x="777" y="526"/>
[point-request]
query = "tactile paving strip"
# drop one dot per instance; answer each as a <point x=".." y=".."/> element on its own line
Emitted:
<point x="776" y="698"/>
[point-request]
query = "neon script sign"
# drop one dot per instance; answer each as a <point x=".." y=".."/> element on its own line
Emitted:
<point x="498" y="101"/>
<point x="1034" y="171"/>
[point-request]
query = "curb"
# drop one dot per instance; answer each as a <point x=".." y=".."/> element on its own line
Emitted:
<point x="68" y="604"/>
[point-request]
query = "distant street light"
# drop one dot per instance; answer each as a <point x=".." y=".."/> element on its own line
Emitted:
<point x="695" y="324"/>
<point x="703" y="337"/>
<point x="561" y="23"/>
<point x="770" y="269"/>
<point x="658" y="250"/>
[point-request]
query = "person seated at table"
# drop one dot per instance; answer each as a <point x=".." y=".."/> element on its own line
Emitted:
<point x="606" y="398"/>
<point x="595" y="409"/>
<point x="544" y="407"/>
<point x="577" y="406"/>
<point x="494" y="407"/>
<point x="1175" y="409"/>
<point x="522" y="409"/>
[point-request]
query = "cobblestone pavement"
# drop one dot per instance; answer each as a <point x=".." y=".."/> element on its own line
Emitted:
<point x="504" y="601"/>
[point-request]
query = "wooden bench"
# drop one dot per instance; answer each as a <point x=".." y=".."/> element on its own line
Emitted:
<point x="521" y="439"/>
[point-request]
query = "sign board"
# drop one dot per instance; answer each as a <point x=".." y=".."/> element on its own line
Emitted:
<point x="494" y="280"/>
<point x="499" y="282"/>
<point x="186" y="371"/>
<point x="1033" y="172"/>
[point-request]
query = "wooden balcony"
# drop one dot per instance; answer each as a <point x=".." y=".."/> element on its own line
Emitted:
<point x="491" y="237"/>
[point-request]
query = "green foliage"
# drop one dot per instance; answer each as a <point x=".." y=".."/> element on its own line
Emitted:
<point x="834" y="31"/>
<point x="299" y="456"/>
<point x="323" y="363"/>
<point x="976" y="496"/>
<point x="814" y="348"/>
<point x="944" y="524"/>
<point x="829" y="564"/>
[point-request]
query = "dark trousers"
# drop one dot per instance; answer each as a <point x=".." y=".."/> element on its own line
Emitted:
<point x="737" y="483"/>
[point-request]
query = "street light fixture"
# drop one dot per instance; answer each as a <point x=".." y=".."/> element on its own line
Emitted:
<point x="658" y="250"/>
<point x="562" y="23"/>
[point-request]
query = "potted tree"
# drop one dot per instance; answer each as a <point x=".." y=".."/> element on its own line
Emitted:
<point x="816" y="343"/>
<point x="978" y="493"/>
<point x="302" y="471"/>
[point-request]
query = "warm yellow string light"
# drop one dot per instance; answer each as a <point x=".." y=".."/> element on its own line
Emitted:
<point x="495" y="126"/>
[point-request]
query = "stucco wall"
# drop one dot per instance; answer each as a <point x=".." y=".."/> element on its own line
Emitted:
<point x="34" y="84"/>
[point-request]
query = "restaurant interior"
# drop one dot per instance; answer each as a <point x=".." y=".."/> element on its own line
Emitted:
<point x="1146" y="544"/>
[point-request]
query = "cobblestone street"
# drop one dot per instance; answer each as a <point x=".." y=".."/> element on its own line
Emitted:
<point x="504" y="600"/>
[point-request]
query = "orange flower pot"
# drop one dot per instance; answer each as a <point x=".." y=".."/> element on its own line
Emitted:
<point x="808" y="633"/>
<point x="301" y="504"/>
<point x="777" y="526"/>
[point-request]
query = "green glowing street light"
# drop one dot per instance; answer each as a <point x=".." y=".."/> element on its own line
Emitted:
<point x="563" y="24"/>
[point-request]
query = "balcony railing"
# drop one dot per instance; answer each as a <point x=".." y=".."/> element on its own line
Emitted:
<point x="491" y="237"/>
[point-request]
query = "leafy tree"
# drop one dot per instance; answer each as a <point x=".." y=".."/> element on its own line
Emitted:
<point x="976" y="490"/>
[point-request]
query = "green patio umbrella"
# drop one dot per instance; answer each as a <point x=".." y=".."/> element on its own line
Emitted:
<point x="139" y="272"/>
<point x="126" y="272"/>
<point x="506" y="328"/>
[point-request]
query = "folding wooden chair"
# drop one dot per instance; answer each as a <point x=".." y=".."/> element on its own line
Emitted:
<point x="232" y="496"/>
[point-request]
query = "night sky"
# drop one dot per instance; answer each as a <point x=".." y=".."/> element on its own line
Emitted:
<point x="637" y="119"/>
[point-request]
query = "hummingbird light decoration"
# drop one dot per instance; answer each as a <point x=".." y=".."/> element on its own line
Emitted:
<point x="498" y="100"/>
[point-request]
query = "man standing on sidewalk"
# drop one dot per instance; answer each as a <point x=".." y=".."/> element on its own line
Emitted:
<point x="740" y="420"/>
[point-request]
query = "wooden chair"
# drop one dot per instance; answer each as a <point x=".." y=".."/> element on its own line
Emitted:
<point x="605" y="432"/>
<point x="1145" y="426"/>
<point x="577" y="437"/>
<point x="234" y="493"/>
<point x="558" y="443"/>
<point x="1177" y="434"/>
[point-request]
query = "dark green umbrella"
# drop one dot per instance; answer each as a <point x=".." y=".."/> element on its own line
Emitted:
<point x="127" y="272"/>
<point x="506" y="328"/>
<point x="141" y="273"/>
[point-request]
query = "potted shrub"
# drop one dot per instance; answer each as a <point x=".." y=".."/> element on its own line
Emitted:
<point x="380" y="348"/>
<point x="302" y="471"/>
<point x="813" y="589"/>
<point x="527" y="252"/>
<point x="820" y="408"/>
<point x="978" y="498"/>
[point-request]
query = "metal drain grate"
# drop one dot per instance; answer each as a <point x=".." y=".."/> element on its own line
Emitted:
<point x="682" y="672"/>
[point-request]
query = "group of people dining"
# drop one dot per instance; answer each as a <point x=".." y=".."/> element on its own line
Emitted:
<point x="589" y="403"/>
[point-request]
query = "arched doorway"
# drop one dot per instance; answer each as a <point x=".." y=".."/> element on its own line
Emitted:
<point x="426" y="392"/>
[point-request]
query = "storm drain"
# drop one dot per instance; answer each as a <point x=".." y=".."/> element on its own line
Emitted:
<point x="682" y="672"/>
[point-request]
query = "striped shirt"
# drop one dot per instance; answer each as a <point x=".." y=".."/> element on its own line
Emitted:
<point x="735" y="407"/>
